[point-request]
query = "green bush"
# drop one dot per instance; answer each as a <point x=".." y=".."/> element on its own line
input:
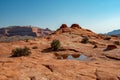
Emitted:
<point x="84" y="40"/>
<point x="18" y="52"/>
<point x="117" y="42"/>
<point x="55" y="45"/>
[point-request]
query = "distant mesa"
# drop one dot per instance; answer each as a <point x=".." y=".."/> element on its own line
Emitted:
<point x="24" y="31"/>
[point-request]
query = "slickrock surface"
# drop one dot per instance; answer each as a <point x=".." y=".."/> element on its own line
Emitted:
<point x="44" y="65"/>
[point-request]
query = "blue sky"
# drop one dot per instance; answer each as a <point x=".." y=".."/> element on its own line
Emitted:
<point x="98" y="15"/>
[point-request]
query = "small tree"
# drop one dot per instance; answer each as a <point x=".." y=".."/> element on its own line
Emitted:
<point x="17" y="52"/>
<point x="55" y="45"/>
<point x="84" y="40"/>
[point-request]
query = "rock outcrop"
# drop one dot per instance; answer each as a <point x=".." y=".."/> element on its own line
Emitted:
<point x="63" y="29"/>
<point x="113" y="54"/>
<point x="75" y="29"/>
<point x="111" y="47"/>
<point x="63" y="26"/>
<point x="75" y="26"/>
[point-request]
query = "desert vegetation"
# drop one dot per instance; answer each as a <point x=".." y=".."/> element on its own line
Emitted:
<point x="117" y="42"/>
<point x="82" y="51"/>
<point x="18" y="52"/>
<point x="85" y="40"/>
<point x="55" y="45"/>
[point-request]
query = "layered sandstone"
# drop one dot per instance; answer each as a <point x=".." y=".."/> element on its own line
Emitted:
<point x="24" y="30"/>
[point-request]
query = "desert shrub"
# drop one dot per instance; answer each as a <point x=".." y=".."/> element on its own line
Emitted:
<point x="17" y="52"/>
<point x="117" y="42"/>
<point x="55" y="45"/>
<point x="34" y="47"/>
<point x="85" y="40"/>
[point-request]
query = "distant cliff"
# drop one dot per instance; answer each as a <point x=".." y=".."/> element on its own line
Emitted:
<point x="114" y="32"/>
<point x="24" y="30"/>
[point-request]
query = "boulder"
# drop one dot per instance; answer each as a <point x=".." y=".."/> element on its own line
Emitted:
<point x="111" y="47"/>
<point x="75" y="55"/>
<point x="63" y="26"/>
<point x="75" y="26"/>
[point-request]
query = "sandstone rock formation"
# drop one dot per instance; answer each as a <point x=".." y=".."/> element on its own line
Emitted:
<point x="75" y="26"/>
<point x="63" y="26"/>
<point x="75" y="29"/>
<point x="24" y="30"/>
<point x="110" y="47"/>
<point x="44" y="64"/>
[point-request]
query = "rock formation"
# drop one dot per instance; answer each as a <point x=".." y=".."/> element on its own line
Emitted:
<point x="23" y="31"/>
<point x="111" y="47"/>
<point x="75" y="26"/>
<point x="44" y="64"/>
<point x="75" y="29"/>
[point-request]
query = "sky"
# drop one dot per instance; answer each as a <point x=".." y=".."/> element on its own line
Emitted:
<point x="100" y="16"/>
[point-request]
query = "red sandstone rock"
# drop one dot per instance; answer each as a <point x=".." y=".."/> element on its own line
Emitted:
<point x="40" y="65"/>
<point x="111" y="47"/>
<point x="75" y="29"/>
<point x="63" y="26"/>
<point x="63" y="29"/>
<point x="75" y="26"/>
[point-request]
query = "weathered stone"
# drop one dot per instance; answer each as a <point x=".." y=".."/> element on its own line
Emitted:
<point x="43" y="64"/>
<point x="75" y="26"/>
<point x="63" y="26"/>
<point x="111" y="47"/>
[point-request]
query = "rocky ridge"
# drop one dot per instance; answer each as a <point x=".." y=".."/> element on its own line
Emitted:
<point x="75" y="29"/>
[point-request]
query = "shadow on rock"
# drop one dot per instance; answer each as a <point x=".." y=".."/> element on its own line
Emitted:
<point x="51" y="50"/>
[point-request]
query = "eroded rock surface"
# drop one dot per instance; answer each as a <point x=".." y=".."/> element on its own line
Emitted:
<point x="43" y="64"/>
